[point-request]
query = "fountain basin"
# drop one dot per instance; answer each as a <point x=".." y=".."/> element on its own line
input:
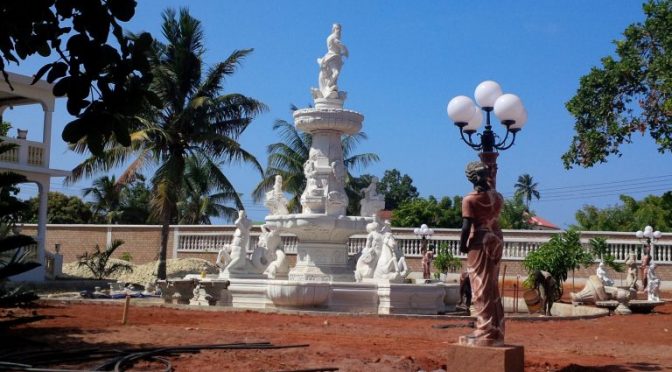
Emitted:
<point x="284" y="293"/>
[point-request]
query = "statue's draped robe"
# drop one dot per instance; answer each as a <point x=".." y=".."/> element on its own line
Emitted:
<point x="485" y="252"/>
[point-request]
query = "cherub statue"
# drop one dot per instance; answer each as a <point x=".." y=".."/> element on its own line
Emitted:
<point x="366" y="264"/>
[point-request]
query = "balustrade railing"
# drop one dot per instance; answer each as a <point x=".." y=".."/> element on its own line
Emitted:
<point x="515" y="247"/>
<point x="27" y="152"/>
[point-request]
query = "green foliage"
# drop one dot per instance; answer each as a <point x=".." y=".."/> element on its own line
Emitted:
<point x="194" y="117"/>
<point x="126" y="256"/>
<point x="97" y="261"/>
<point x="627" y="94"/>
<point x="15" y="258"/>
<point x="514" y="214"/>
<point x="5" y="126"/>
<point x="600" y="250"/>
<point x="61" y="208"/>
<point x="527" y="189"/>
<point x="446" y="213"/>
<point x="202" y="197"/>
<point x="287" y="158"/>
<point x="561" y="254"/>
<point x="396" y="188"/>
<point x="630" y="216"/>
<point x="445" y="262"/>
<point x="106" y="81"/>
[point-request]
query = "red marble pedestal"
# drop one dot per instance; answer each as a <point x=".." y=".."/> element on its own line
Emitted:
<point x="463" y="358"/>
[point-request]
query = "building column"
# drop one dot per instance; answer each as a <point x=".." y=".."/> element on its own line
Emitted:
<point x="46" y="137"/>
<point x="43" y="189"/>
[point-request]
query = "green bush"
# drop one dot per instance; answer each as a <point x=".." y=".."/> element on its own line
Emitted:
<point x="126" y="256"/>
<point x="561" y="254"/>
<point x="97" y="262"/>
<point x="444" y="261"/>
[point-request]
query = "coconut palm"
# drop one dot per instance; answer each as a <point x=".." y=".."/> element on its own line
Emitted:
<point x="527" y="188"/>
<point x="202" y="199"/>
<point x="192" y="117"/>
<point x="106" y="193"/>
<point x="286" y="158"/>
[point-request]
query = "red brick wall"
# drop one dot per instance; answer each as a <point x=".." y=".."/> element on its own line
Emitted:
<point x="142" y="243"/>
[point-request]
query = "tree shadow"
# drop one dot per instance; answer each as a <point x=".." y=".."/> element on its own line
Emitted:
<point x="629" y="367"/>
<point x="57" y="346"/>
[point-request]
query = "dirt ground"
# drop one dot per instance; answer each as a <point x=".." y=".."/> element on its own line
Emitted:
<point x="641" y="342"/>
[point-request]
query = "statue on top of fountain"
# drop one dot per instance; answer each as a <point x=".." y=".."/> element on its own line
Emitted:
<point x="275" y="199"/>
<point x="330" y="65"/>
<point x="372" y="202"/>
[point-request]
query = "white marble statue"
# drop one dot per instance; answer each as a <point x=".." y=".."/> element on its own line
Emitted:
<point x="366" y="264"/>
<point x="239" y="245"/>
<point x="275" y="199"/>
<point x="387" y="267"/>
<point x="332" y="62"/>
<point x="279" y="267"/>
<point x="372" y="202"/>
<point x="602" y="274"/>
<point x="631" y="264"/>
<point x="264" y="252"/>
<point x="653" y="285"/>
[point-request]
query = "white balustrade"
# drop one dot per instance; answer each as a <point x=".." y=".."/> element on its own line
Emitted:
<point x="516" y="247"/>
<point x="27" y="153"/>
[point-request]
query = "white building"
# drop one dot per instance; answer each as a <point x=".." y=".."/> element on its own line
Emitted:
<point x="31" y="158"/>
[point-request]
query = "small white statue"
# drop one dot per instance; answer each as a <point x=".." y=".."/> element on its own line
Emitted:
<point x="653" y="285"/>
<point x="239" y="245"/>
<point x="332" y="62"/>
<point x="275" y="199"/>
<point x="387" y="267"/>
<point x="269" y="240"/>
<point x="372" y="203"/>
<point x="366" y="264"/>
<point x="392" y="263"/>
<point x="631" y="278"/>
<point x="279" y="267"/>
<point x="602" y="274"/>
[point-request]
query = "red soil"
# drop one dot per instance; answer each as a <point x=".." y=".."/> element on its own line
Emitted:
<point x="350" y="343"/>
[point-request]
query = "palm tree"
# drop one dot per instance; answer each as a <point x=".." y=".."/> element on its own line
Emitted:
<point x="191" y="118"/>
<point x="286" y="158"/>
<point x="527" y="188"/>
<point x="202" y="199"/>
<point x="106" y="193"/>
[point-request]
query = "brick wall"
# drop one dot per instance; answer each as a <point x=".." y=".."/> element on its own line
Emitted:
<point x="142" y="243"/>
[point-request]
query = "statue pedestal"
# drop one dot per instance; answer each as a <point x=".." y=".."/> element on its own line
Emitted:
<point x="507" y="358"/>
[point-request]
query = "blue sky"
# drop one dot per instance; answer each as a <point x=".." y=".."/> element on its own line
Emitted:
<point x="407" y="60"/>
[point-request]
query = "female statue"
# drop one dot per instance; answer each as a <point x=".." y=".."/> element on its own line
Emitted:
<point x="331" y="63"/>
<point x="482" y="241"/>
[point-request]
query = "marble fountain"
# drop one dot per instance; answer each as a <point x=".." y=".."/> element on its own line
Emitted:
<point x="324" y="277"/>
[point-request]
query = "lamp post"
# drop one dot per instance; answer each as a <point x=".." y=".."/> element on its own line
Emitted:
<point x="468" y="117"/>
<point x="651" y="238"/>
<point x="423" y="232"/>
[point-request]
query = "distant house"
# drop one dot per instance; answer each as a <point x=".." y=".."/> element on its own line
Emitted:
<point x="31" y="157"/>
<point x="538" y="223"/>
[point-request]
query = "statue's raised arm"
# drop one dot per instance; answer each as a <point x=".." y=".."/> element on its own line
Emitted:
<point x="332" y="62"/>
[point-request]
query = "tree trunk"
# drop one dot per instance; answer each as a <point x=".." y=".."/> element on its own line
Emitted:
<point x="165" y="230"/>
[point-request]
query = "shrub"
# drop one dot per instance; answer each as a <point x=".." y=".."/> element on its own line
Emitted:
<point x="97" y="262"/>
<point x="126" y="256"/>
<point x="561" y="254"/>
<point x="15" y="258"/>
<point x="444" y="261"/>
